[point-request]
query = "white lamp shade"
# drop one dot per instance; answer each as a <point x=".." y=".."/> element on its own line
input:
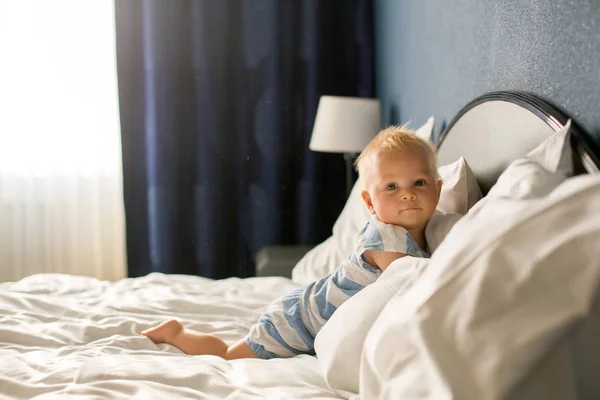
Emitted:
<point x="345" y="124"/>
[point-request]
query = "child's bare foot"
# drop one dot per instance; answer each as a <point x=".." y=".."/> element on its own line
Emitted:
<point x="164" y="333"/>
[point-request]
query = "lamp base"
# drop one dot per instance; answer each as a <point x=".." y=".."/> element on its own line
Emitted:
<point x="349" y="158"/>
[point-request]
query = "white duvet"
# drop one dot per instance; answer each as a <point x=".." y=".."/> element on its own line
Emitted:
<point x="67" y="336"/>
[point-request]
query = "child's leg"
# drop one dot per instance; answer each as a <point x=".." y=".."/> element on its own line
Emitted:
<point x="192" y="342"/>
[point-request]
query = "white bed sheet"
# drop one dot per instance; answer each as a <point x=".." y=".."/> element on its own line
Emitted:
<point x="68" y="336"/>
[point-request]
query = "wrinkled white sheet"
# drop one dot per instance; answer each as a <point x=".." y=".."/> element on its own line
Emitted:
<point x="75" y="337"/>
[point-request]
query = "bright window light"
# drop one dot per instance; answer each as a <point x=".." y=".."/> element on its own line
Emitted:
<point x="58" y="88"/>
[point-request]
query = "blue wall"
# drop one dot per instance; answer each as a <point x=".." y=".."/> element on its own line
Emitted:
<point x="434" y="56"/>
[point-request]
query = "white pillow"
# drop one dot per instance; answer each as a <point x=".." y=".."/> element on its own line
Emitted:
<point x="426" y="130"/>
<point x="322" y="260"/>
<point x="327" y="256"/>
<point x="555" y="153"/>
<point x="540" y="171"/>
<point x="499" y="293"/>
<point x="459" y="192"/>
<point x="340" y="342"/>
<point x="438" y="227"/>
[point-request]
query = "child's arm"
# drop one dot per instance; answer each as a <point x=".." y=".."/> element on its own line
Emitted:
<point x="381" y="259"/>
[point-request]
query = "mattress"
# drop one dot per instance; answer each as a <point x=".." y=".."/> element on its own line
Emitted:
<point x="72" y="336"/>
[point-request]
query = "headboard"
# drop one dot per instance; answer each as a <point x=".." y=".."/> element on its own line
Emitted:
<point x="499" y="127"/>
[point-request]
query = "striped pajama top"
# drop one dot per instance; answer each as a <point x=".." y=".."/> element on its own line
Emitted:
<point x="291" y="322"/>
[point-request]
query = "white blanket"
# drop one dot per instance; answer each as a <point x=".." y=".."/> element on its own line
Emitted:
<point x="67" y="336"/>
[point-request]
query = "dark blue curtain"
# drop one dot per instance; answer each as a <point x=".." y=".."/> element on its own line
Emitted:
<point x="217" y="101"/>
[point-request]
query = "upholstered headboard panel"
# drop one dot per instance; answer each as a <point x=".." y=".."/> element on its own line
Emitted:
<point x="494" y="129"/>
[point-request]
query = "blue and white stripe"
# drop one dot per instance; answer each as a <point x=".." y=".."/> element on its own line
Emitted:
<point x="290" y="324"/>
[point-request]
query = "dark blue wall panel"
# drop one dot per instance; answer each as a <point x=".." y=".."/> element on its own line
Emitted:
<point x="434" y="56"/>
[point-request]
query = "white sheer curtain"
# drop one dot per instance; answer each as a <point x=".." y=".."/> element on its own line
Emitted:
<point x="61" y="201"/>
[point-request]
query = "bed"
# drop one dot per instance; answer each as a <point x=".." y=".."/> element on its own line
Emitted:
<point x="75" y="337"/>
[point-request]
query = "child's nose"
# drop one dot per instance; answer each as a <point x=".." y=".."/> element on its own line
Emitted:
<point x="408" y="195"/>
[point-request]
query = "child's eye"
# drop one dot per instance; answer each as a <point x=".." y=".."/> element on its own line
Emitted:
<point x="420" y="182"/>
<point x="391" y="186"/>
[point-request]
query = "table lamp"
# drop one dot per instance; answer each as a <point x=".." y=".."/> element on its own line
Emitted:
<point x="345" y="125"/>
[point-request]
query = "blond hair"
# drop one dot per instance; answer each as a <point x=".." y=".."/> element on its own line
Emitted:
<point x="395" y="138"/>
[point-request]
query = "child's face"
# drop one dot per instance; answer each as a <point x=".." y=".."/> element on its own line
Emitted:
<point x="402" y="189"/>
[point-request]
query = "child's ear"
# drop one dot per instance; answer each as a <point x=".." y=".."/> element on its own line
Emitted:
<point x="440" y="184"/>
<point x="368" y="202"/>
